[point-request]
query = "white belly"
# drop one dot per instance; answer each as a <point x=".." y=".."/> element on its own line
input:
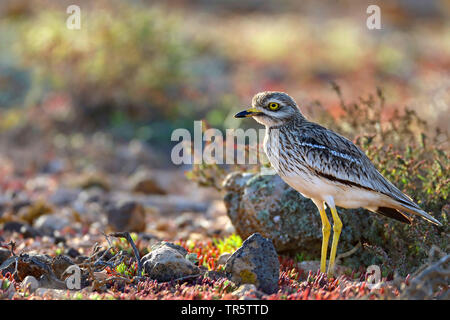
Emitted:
<point x="320" y="189"/>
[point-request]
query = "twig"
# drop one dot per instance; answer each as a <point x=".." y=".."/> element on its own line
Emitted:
<point x="127" y="236"/>
<point x="348" y="253"/>
<point x="12" y="244"/>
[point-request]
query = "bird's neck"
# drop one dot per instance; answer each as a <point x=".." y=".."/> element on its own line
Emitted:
<point x="296" y="120"/>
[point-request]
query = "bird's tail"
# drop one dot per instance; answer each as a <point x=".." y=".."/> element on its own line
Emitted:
<point x="411" y="207"/>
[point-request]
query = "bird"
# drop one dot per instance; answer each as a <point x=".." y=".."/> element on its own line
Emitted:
<point x="325" y="167"/>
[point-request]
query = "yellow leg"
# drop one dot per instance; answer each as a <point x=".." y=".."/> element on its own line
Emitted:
<point x="337" y="227"/>
<point x="326" y="230"/>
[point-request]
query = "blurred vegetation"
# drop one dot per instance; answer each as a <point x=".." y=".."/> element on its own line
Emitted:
<point x="142" y="69"/>
<point x="115" y="62"/>
<point x="130" y="69"/>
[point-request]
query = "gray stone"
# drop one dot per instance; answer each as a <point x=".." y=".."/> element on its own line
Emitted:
<point x="143" y="181"/>
<point x="49" y="223"/>
<point x="223" y="258"/>
<point x="174" y="246"/>
<point x="49" y="281"/>
<point x="166" y="262"/>
<point x="428" y="284"/>
<point x="64" y="196"/>
<point x="23" y="228"/>
<point x="255" y="262"/>
<point x="30" y="283"/>
<point x="126" y="216"/>
<point x="266" y="204"/>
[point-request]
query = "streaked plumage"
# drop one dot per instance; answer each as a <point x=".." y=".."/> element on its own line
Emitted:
<point x="323" y="165"/>
<point x="311" y="152"/>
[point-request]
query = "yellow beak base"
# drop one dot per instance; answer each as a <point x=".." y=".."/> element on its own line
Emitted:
<point x="248" y="113"/>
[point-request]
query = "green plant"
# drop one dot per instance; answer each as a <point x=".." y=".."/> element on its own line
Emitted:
<point x="229" y="244"/>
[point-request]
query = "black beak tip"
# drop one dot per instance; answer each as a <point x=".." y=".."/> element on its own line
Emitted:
<point x="241" y="114"/>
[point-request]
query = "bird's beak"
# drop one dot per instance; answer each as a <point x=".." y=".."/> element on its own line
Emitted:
<point x="248" y="113"/>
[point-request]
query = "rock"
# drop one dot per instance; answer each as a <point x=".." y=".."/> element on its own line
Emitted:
<point x="223" y="258"/>
<point x="248" y="291"/>
<point x="23" y="228"/>
<point x="143" y="181"/>
<point x="171" y="245"/>
<point x="184" y="220"/>
<point x="48" y="224"/>
<point x="58" y="238"/>
<point x="90" y="205"/>
<point x="63" y="196"/>
<point x="255" y="262"/>
<point x="20" y="203"/>
<point x="127" y="216"/>
<point x="29" y="283"/>
<point x="73" y="253"/>
<point x="13" y="226"/>
<point x="429" y="283"/>
<point x="59" y="264"/>
<point x="48" y="281"/>
<point x="92" y="195"/>
<point x="89" y="180"/>
<point x="167" y="262"/>
<point x="4" y="254"/>
<point x="267" y="205"/>
<point x="33" y="265"/>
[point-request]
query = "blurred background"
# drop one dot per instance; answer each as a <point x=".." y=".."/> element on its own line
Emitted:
<point x="136" y="70"/>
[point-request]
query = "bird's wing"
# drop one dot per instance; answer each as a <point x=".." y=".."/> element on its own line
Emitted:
<point x="336" y="158"/>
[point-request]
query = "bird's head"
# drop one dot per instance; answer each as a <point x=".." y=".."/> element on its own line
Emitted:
<point x="271" y="108"/>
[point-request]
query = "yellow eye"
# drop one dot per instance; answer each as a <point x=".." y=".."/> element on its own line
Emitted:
<point x="273" y="106"/>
